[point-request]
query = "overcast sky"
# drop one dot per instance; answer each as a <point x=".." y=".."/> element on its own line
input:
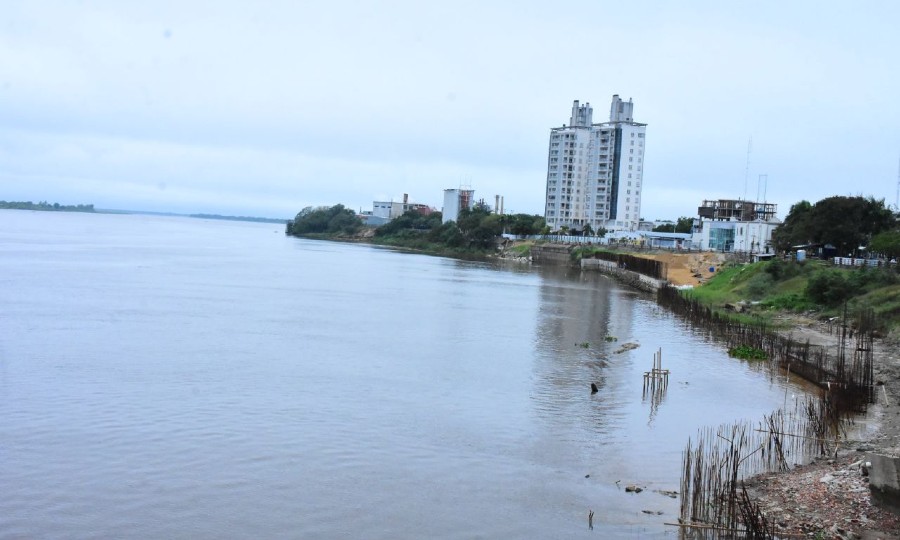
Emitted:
<point x="263" y="108"/>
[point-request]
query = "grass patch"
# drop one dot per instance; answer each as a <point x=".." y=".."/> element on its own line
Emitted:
<point x="725" y="286"/>
<point x="521" y="250"/>
<point x="885" y="302"/>
<point x="586" y="252"/>
<point x="766" y="289"/>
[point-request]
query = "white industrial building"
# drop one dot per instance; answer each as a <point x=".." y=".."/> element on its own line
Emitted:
<point x="595" y="171"/>
<point x="393" y="209"/>
<point x="454" y="201"/>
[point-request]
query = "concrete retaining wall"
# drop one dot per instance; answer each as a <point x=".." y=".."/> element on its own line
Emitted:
<point x="561" y="255"/>
<point x="638" y="281"/>
<point x="551" y="254"/>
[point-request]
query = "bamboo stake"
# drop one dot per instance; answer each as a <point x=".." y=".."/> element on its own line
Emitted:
<point x="817" y="439"/>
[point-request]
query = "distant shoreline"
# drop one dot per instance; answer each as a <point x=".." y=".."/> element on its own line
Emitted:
<point x="44" y="206"/>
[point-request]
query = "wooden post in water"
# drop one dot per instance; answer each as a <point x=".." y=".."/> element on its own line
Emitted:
<point x="655" y="383"/>
<point x="657" y="378"/>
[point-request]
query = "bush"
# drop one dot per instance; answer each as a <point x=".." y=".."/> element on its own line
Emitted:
<point x="866" y="278"/>
<point x="759" y="285"/>
<point x="829" y="288"/>
<point x="790" y="301"/>
<point x="447" y="234"/>
<point x="411" y="219"/>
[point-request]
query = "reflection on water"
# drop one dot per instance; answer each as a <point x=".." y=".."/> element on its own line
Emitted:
<point x="167" y="377"/>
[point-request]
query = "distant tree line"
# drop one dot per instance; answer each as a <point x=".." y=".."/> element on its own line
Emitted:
<point x="45" y="206"/>
<point x="237" y="218"/>
<point x="474" y="230"/>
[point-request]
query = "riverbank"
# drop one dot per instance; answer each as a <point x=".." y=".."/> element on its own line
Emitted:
<point x="831" y="497"/>
<point x="828" y="498"/>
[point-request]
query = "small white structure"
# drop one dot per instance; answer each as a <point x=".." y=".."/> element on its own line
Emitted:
<point x="382" y="209"/>
<point x="454" y="201"/>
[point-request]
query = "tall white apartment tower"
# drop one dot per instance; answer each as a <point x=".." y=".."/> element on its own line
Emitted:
<point x="595" y="171"/>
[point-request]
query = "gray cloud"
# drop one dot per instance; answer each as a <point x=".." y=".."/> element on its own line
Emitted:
<point x="245" y="109"/>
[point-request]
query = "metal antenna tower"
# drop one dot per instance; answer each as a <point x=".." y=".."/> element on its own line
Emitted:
<point x="897" y="200"/>
<point x="762" y="183"/>
<point x="747" y="168"/>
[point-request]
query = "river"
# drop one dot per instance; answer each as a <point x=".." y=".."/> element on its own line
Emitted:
<point x="168" y="377"/>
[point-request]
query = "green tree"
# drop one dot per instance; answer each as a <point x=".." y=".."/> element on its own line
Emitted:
<point x="447" y="234"/>
<point x="684" y="225"/>
<point x="886" y="243"/>
<point x="335" y="219"/>
<point x="844" y="222"/>
<point x="479" y="227"/>
<point x="411" y="220"/>
<point x="849" y="222"/>
<point x="523" y="224"/>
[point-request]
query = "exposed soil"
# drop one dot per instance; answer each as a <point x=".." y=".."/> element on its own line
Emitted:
<point x="689" y="268"/>
<point x="825" y="499"/>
